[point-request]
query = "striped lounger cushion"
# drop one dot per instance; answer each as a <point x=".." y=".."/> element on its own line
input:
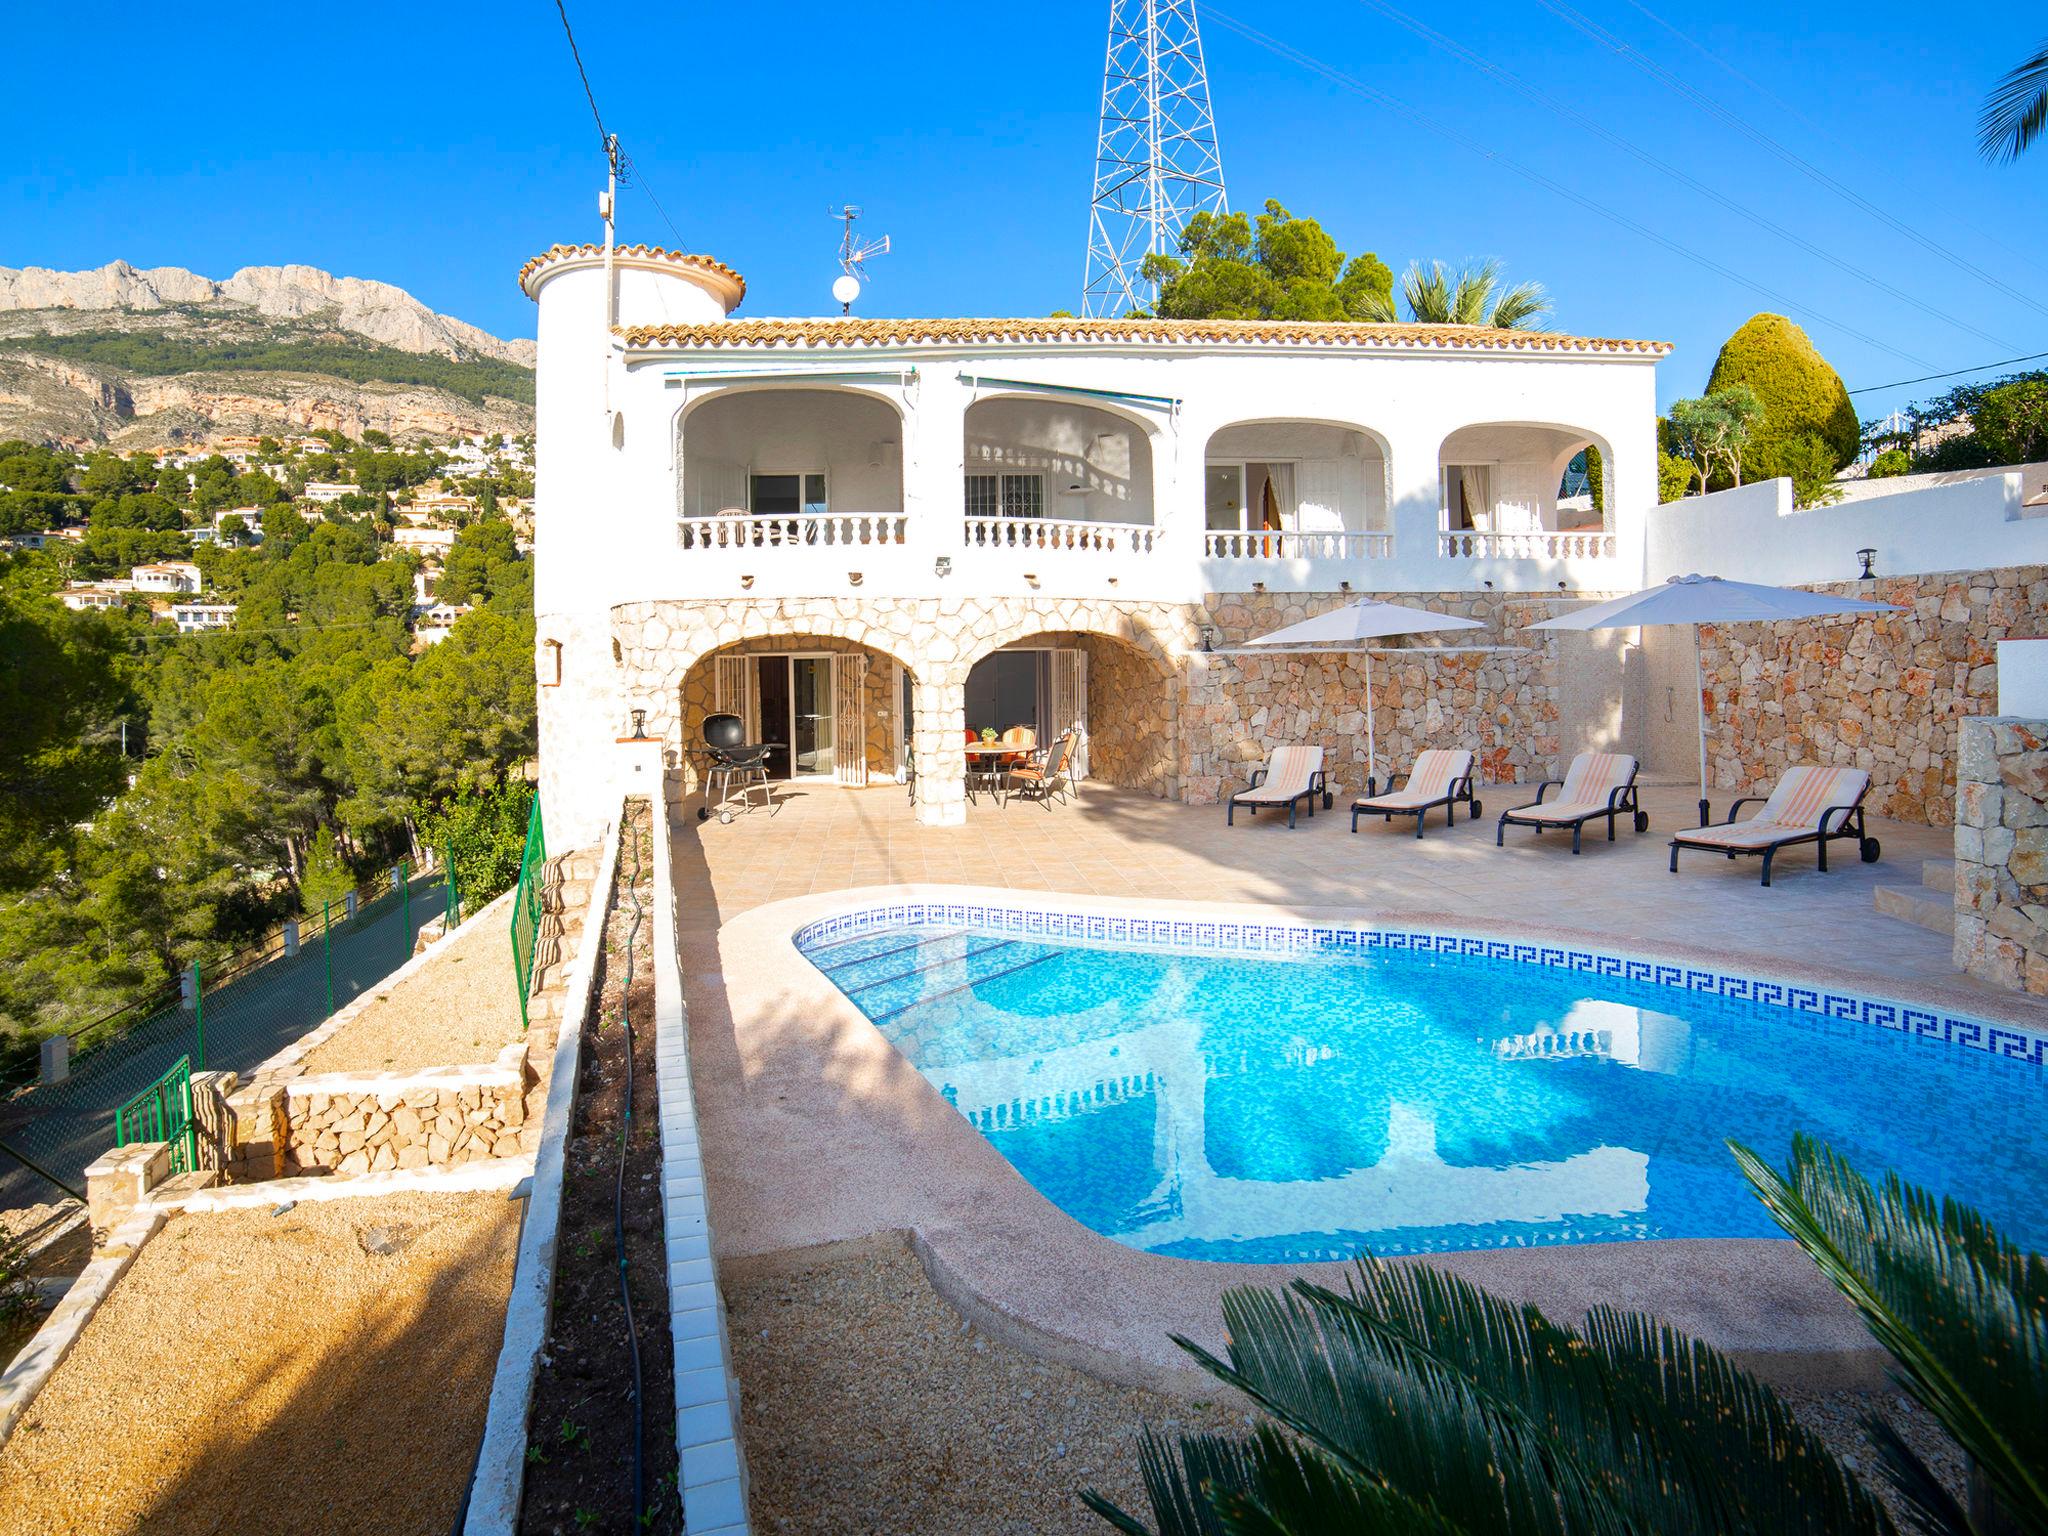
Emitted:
<point x="1593" y="777"/>
<point x="1795" y="808"/>
<point x="1435" y="771"/>
<point x="1288" y="772"/>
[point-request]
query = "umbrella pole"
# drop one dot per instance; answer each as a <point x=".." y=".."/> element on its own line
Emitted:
<point x="1372" y="751"/>
<point x="1699" y="694"/>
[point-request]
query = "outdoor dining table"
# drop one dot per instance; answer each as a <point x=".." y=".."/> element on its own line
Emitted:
<point x="986" y="775"/>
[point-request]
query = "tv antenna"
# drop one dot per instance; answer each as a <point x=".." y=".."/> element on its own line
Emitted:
<point x="853" y="255"/>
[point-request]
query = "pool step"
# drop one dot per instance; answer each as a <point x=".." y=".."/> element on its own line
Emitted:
<point x="1931" y="904"/>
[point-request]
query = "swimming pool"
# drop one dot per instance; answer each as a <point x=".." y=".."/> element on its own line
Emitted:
<point x="1231" y="1092"/>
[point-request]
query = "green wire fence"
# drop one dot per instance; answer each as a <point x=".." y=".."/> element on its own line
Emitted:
<point x="526" y="909"/>
<point x="230" y="1014"/>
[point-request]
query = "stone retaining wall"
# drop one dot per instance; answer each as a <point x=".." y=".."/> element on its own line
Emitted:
<point x="1886" y="693"/>
<point x="2002" y="853"/>
<point x="367" y="1122"/>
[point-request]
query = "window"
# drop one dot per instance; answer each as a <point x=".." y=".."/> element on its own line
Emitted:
<point x="786" y="495"/>
<point x="1249" y="496"/>
<point x="1006" y="495"/>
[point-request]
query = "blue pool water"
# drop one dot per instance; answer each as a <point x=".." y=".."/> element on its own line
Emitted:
<point x="1314" y="1106"/>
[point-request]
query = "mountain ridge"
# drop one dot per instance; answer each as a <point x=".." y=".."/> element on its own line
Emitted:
<point x="382" y="312"/>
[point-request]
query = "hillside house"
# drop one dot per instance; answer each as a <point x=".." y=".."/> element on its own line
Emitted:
<point x="191" y="618"/>
<point x="169" y="576"/>
<point x="866" y="536"/>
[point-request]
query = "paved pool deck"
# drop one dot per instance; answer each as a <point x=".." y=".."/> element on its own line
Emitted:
<point x="816" y="1130"/>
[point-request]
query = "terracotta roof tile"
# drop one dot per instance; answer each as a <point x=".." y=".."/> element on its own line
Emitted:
<point x="835" y="331"/>
<point x="556" y="253"/>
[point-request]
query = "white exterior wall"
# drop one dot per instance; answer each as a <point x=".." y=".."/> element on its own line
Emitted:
<point x="1754" y="533"/>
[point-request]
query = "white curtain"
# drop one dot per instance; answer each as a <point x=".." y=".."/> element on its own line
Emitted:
<point x="1477" y="481"/>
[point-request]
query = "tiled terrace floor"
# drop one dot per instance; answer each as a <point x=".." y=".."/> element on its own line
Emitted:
<point x="1114" y="842"/>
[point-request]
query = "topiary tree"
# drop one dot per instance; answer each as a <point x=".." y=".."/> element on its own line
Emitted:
<point x="1893" y="461"/>
<point x="1801" y="395"/>
<point x="1674" y="474"/>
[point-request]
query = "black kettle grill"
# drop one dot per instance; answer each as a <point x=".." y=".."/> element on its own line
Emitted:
<point x="738" y="767"/>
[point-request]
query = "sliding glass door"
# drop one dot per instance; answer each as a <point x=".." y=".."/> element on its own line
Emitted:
<point x="797" y="716"/>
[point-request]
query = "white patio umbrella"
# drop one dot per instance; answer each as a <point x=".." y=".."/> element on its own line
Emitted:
<point x="1367" y="619"/>
<point x="1696" y="600"/>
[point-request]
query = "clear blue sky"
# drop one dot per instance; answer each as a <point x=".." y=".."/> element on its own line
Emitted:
<point x="438" y="146"/>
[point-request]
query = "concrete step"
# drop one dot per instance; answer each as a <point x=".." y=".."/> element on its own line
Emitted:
<point x="1939" y="875"/>
<point x="1917" y="904"/>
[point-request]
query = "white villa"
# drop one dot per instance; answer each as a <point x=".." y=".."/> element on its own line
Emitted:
<point x="833" y="526"/>
<point x="871" y="537"/>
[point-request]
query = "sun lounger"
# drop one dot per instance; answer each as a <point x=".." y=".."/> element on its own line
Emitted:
<point x="1810" y="805"/>
<point x="1597" y="784"/>
<point x="1292" y="776"/>
<point x="1441" y="777"/>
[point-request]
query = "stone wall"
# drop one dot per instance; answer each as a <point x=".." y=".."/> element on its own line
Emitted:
<point x="367" y="1122"/>
<point x="1503" y="704"/>
<point x="1885" y="693"/>
<point x="2002" y="853"/>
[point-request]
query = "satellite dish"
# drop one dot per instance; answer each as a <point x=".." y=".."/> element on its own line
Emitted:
<point x="845" y="288"/>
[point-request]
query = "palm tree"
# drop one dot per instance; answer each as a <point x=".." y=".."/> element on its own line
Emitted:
<point x="2016" y="111"/>
<point x="1962" y="1310"/>
<point x="1416" y="1402"/>
<point x="1438" y="295"/>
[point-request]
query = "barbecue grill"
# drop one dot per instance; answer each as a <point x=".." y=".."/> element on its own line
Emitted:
<point x="737" y="768"/>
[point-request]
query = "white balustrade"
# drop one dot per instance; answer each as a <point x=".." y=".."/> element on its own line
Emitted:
<point x="1287" y="544"/>
<point x="1468" y="544"/>
<point x="1029" y="533"/>
<point x="821" y="530"/>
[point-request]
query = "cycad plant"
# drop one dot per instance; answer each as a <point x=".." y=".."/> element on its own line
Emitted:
<point x="1964" y="1313"/>
<point x="1437" y="294"/>
<point x="1415" y="1402"/>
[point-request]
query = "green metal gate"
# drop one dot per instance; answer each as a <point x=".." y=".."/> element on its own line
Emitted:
<point x="526" y="908"/>
<point x="163" y="1112"/>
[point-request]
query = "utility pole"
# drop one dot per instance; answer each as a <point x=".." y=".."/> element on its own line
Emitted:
<point x="1157" y="163"/>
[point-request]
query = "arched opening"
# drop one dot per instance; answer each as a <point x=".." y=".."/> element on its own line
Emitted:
<point x="790" y="454"/>
<point x="831" y="711"/>
<point x="1293" y="476"/>
<point x="1051" y="459"/>
<point x="1119" y="700"/>
<point x="1509" y="478"/>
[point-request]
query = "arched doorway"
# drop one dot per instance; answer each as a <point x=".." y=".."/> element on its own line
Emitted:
<point x="831" y="711"/>
<point x="1120" y="701"/>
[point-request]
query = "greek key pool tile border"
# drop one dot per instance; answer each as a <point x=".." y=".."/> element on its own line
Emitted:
<point x="1206" y="935"/>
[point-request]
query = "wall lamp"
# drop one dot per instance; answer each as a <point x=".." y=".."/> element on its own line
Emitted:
<point x="1258" y="586"/>
<point x="1869" y="559"/>
<point x="943" y="566"/>
<point x="1344" y="586"/>
<point x="853" y="578"/>
<point x="1032" y="578"/>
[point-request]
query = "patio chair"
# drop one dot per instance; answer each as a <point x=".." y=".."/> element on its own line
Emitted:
<point x="1048" y="775"/>
<point x="1440" y="777"/>
<point x="1025" y="740"/>
<point x="1597" y="784"/>
<point x="1292" y="776"/>
<point x="1809" y="805"/>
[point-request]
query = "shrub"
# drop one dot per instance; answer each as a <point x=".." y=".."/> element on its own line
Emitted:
<point x="1893" y="461"/>
<point x="483" y="831"/>
<point x="1801" y="395"/>
<point x="1810" y="465"/>
<point x="1673" y="475"/>
<point x="2012" y="422"/>
<point x="327" y="877"/>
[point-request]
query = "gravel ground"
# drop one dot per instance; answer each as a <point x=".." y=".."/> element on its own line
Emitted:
<point x="870" y="1406"/>
<point x="463" y="1008"/>
<point x="327" y="1368"/>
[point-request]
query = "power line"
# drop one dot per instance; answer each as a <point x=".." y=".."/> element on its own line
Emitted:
<point x="1548" y="101"/>
<point x="1871" y="389"/>
<point x="637" y="177"/>
<point x="1599" y="34"/>
<point x="604" y="139"/>
<point x="1394" y="104"/>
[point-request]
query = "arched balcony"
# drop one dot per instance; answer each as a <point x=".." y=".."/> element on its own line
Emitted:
<point x="1501" y="494"/>
<point x="796" y="467"/>
<point x="1055" y="474"/>
<point x="1294" y="490"/>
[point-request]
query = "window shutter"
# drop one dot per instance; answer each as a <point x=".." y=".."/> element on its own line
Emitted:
<point x="850" y="724"/>
<point x="1070" y="703"/>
